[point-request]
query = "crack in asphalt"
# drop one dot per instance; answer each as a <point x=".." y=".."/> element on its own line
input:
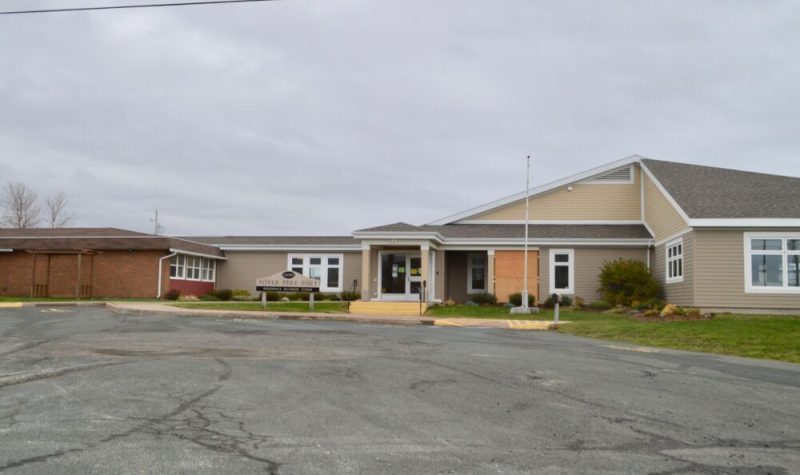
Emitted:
<point x="20" y="378"/>
<point x="188" y="422"/>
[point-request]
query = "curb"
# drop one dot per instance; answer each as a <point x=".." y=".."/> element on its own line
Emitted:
<point x="266" y="316"/>
<point x="51" y="304"/>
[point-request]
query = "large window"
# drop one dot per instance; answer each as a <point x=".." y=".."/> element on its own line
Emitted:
<point x="675" y="261"/>
<point x="476" y="273"/>
<point x="327" y="269"/>
<point x="192" y="268"/>
<point x="562" y="271"/>
<point x="772" y="263"/>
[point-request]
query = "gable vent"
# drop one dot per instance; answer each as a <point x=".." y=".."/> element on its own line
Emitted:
<point x="624" y="174"/>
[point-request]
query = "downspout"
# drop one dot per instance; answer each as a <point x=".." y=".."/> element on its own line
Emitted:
<point x="160" y="273"/>
<point x="649" y="246"/>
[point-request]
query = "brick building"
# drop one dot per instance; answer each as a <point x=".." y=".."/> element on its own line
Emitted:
<point x="102" y="262"/>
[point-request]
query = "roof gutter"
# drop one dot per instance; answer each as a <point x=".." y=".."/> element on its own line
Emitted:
<point x="160" y="273"/>
<point x="199" y="254"/>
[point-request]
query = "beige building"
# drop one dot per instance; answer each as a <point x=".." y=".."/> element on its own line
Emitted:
<point x="715" y="238"/>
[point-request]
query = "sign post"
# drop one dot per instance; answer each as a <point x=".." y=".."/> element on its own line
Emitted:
<point x="287" y="281"/>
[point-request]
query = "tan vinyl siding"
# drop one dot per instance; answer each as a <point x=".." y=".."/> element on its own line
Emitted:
<point x="588" y="263"/>
<point x="679" y="293"/>
<point x="242" y="268"/>
<point x="720" y="273"/>
<point x="659" y="214"/>
<point x="590" y="202"/>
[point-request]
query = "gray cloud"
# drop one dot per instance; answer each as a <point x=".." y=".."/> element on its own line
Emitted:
<point x="328" y="116"/>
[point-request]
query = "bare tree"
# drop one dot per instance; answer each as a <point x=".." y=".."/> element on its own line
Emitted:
<point x="19" y="206"/>
<point x="57" y="215"/>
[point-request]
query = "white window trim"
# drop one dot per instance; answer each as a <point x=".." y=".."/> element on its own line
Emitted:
<point x="324" y="266"/>
<point x="571" y="264"/>
<point x="470" y="268"/>
<point x="748" y="265"/>
<point x="668" y="260"/>
<point x="182" y="265"/>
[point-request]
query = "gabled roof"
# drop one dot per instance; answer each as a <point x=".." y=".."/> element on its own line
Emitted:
<point x="394" y="227"/>
<point x="720" y="193"/>
<point x="539" y="190"/>
<point x="98" y="239"/>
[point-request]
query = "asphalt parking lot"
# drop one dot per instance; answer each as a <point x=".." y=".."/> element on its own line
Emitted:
<point x="84" y="390"/>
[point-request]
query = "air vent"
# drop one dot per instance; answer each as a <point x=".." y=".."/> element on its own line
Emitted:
<point x="620" y="175"/>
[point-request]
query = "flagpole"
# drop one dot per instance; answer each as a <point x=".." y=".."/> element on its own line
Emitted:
<point x="527" y="216"/>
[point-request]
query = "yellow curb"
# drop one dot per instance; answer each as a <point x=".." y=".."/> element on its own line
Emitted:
<point x="528" y="325"/>
<point x="10" y="304"/>
<point x="446" y="323"/>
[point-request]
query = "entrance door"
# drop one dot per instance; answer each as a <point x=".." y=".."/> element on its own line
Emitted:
<point x="401" y="276"/>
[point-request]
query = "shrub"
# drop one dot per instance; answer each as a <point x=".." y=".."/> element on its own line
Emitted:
<point x="322" y="296"/>
<point x="349" y="296"/>
<point x="172" y="294"/>
<point x="566" y="301"/>
<point x="209" y="297"/>
<point x="599" y="305"/>
<point x="483" y="298"/>
<point x="222" y="294"/>
<point x="579" y="303"/>
<point x="516" y="299"/>
<point x="625" y="280"/>
<point x="241" y="295"/>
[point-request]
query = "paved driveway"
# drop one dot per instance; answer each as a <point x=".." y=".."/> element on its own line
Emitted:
<point x="83" y="390"/>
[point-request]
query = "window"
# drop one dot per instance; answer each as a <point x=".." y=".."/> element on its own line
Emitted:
<point x="675" y="261"/>
<point x="192" y="268"/>
<point x="562" y="271"/>
<point x="476" y="273"/>
<point x="176" y="267"/>
<point x="772" y="263"/>
<point x="327" y="269"/>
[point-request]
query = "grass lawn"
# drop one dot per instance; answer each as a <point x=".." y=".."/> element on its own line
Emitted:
<point x="319" y="307"/>
<point x="756" y="336"/>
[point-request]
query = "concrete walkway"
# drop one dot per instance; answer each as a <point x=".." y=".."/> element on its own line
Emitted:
<point x="143" y="308"/>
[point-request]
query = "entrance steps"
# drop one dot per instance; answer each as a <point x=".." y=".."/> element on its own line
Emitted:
<point x="361" y="307"/>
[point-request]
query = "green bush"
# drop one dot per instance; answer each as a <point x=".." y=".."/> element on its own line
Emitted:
<point x="209" y="297"/>
<point x="516" y="299"/>
<point x="599" y="305"/>
<point x="566" y="301"/>
<point x="242" y="295"/>
<point x="222" y="294"/>
<point x="172" y="294"/>
<point x="625" y="280"/>
<point x="322" y="296"/>
<point x="349" y="296"/>
<point x="483" y="298"/>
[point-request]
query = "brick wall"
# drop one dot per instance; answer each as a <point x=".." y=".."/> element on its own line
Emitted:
<point x="120" y="274"/>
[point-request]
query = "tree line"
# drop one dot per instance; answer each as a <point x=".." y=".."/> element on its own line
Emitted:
<point x="21" y="208"/>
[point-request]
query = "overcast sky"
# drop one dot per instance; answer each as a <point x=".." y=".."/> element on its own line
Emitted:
<point x="326" y="116"/>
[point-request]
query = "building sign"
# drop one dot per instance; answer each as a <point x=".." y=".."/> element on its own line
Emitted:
<point x="287" y="281"/>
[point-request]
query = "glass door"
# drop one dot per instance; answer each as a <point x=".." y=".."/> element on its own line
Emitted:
<point x="414" y="276"/>
<point x="401" y="276"/>
<point x="393" y="275"/>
